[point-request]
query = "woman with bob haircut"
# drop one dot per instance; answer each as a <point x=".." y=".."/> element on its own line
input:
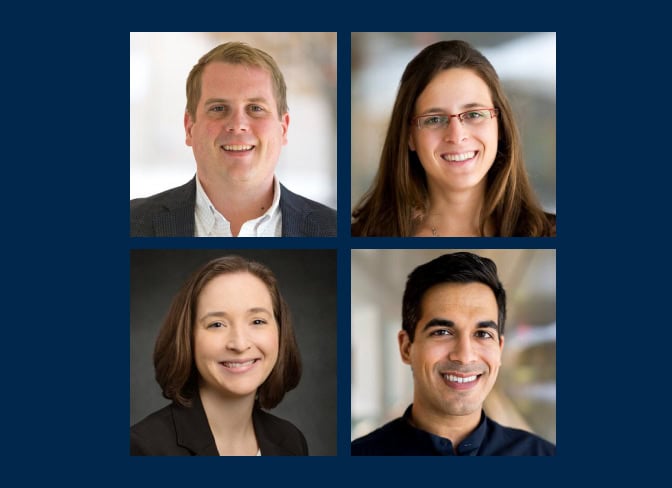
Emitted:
<point x="225" y="351"/>
<point x="452" y="162"/>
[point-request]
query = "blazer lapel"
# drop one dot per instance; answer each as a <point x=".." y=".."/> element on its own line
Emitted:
<point x="176" y="218"/>
<point x="192" y="429"/>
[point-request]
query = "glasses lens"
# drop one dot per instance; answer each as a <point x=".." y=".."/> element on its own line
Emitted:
<point x="474" y="117"/>
<point x="433" y="122"/>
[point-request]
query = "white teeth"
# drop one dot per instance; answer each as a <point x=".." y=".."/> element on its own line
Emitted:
<point x="459" y="157"/>
<point x="237" y="147"/>
<point x="232" y="364"/>
<point x="460" y="379"/>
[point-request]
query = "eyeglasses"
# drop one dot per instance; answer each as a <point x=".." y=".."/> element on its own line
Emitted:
<point x="470" y="118"/>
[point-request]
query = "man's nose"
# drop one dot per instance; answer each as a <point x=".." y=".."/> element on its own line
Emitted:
<point x="463" y="351"/>
<point x="237" y="121"/>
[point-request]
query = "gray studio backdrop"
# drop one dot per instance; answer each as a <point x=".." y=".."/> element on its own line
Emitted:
<point x="307" y="280"/>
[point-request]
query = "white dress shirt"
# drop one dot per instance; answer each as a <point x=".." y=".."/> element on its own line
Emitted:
<point x="210" y="223"/>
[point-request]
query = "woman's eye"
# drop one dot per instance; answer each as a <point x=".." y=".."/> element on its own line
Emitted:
<point x="215" y="325"/>
<point x="258" y="321"/>
<point x="437" y="120"/>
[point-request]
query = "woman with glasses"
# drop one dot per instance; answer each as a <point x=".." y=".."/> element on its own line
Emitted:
<point x="452" y="162"/>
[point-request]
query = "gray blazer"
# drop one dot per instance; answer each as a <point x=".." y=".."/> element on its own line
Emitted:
<point x="171" y="214"/>
<point x="184" y="431"/>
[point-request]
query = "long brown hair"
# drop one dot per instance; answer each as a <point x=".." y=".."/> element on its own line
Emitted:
<point x="398" y="197"/>
<point x="174" y="364"/>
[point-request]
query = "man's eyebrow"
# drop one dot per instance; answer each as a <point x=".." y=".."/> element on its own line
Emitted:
<point x="224" y="100"/>
<point x="488" y="324"/>
<point x="436" y="322"/>
<point x="215" y="100"/>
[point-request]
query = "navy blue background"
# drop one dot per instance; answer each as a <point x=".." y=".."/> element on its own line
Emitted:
<point x="66" y="265"/>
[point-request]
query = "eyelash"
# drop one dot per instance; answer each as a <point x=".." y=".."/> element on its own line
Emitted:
<point x="255" y="109"/>
<point x="440" y="332"/>
<point x="217" y="325"/>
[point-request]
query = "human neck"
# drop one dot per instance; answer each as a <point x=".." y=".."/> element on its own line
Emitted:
<point x="238" y="202"/>
<point x="454" y="214"/>
<point x="453" y="427"/>
<point x="230" y="420"/>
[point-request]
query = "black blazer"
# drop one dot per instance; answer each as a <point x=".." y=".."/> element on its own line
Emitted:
<point x="181" y="431"/>
<point x="171" y="214"/>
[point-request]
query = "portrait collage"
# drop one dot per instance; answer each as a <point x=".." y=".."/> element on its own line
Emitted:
<point x="342" y="244"/>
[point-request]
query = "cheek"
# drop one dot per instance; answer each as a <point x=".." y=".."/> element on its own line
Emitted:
<point x="425" y="358"/>
<point x="269" y="343"/>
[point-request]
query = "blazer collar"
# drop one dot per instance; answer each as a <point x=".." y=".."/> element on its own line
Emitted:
<point x="194" y="434"/>
<point x="193" y="431"/>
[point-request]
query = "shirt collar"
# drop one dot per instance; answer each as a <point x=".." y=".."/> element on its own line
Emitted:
<point x="468" y="447"/>
<point x="209" y="221"/>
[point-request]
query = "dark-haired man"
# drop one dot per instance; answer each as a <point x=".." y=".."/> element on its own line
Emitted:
<point x="453" y="314"/>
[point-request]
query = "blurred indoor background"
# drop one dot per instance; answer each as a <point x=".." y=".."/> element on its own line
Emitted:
<point x="159" y="65"/>
<point x="382" y="386"/>
<point x="524" y="61"/>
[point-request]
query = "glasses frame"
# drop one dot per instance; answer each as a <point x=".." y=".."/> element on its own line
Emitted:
<point x="494" y="113"/>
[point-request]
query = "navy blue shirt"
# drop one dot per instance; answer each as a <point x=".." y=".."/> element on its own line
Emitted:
<point x="400" y="438"/>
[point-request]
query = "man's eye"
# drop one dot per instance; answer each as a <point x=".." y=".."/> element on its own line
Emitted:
<point x="440" y="332"/>
<point x="217" y="108"/>
<point x="484" y="334"/>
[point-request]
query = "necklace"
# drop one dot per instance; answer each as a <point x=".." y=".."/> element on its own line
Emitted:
<point x="434" y="232"/>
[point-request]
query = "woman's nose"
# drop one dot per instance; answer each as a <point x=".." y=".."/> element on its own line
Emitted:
<point x="237" y="340"/>
<point x="455" y="132"/>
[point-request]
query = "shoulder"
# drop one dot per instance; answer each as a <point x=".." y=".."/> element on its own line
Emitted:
<point x="302" y="204"/>
<point x="278" y="436"/>
<point x="313" y="218"/>
<point x="153" y="433"/>
<point x="517" y="442"/>
<point x="165" y="199"/>
<point x="384" y="440"/>
<point x="166" y="213"/>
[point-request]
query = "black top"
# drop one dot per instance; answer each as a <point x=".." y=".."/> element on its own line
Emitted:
<point x="176" y="430"/>
<point x="171" y="214"/>
<point x="400" y="438"/>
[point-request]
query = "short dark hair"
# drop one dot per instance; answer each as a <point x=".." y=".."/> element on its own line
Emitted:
<point x="459" y="267"/>
<point x="174" y="363"/>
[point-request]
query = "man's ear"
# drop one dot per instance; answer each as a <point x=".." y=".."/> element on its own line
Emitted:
<point x="188" y="124"/>
<point x="284" y="122"/>
<point x="404" y="346"/>
<point x="501" y="348"/>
